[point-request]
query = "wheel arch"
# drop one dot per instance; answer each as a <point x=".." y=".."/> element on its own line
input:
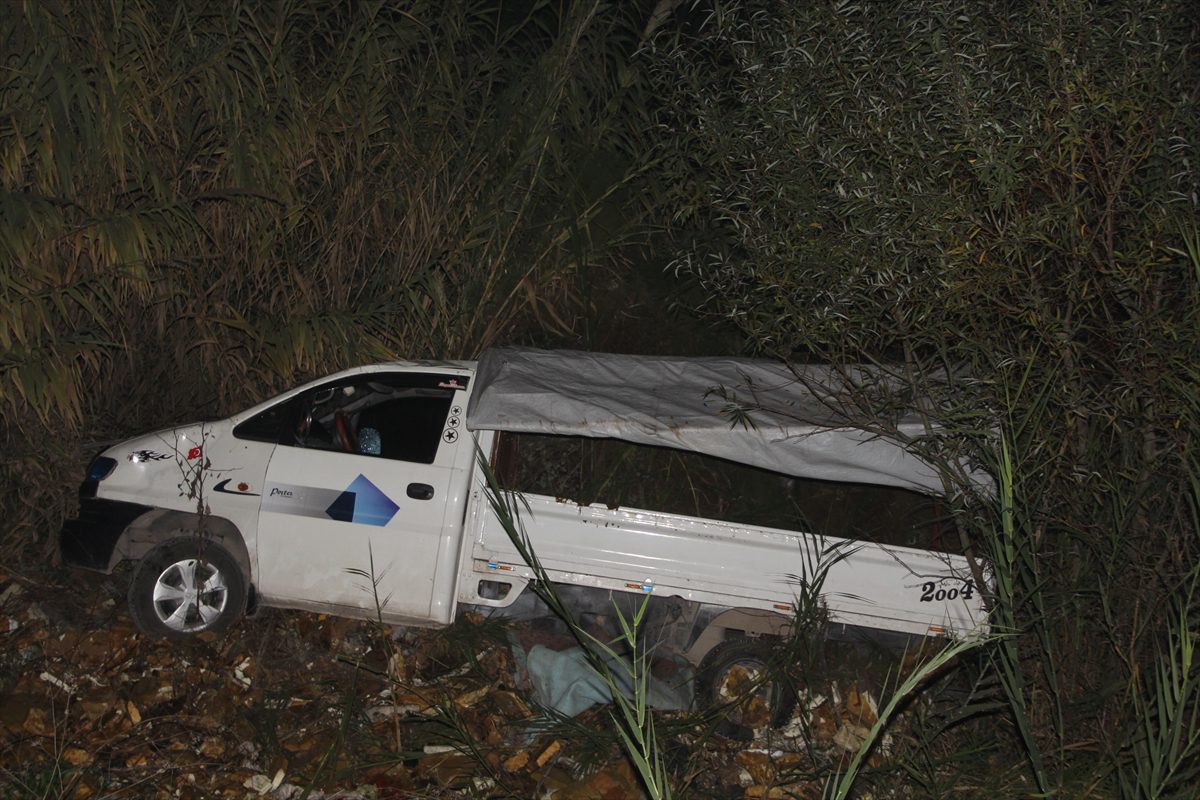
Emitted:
<point x="740" y="621"/>
<point x="153" y="529"/>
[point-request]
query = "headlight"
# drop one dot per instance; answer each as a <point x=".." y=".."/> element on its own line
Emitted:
<point x="101" y="468"/>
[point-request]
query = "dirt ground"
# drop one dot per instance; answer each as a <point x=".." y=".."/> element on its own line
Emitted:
<point x="297" y="705"/>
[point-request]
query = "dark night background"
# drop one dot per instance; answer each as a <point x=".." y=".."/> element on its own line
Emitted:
<point x="205" y="203"/>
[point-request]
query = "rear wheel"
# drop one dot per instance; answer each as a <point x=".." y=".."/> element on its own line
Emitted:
<point x="751" y="687"/>
<point x="185" y="587"/>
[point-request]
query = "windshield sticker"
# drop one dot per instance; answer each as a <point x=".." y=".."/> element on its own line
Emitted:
<point x="141" y="456"/>
<point x="360" y="503"/>
<point x="453" y="383"/>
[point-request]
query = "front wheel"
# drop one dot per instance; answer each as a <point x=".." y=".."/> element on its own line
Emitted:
<point x="185" y="587"/>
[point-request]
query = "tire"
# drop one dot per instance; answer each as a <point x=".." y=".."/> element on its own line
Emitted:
<point x="747" y="686"/>
<point x="162" y="604"/>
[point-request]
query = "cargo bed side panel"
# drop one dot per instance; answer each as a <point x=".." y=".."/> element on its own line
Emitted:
<point x="887" y="588"/>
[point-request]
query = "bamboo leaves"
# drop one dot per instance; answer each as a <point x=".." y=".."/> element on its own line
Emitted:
<point x="292" y="189"/>
<point x="631" y="714"/>
<point x="1009" y="196"/>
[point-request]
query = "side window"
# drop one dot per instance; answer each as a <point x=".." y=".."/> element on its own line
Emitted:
<point x="375" y="415"/>
<point x="269" y="425"/>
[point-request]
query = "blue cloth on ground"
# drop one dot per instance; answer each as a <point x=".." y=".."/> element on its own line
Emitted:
<point x="563" y="680"/>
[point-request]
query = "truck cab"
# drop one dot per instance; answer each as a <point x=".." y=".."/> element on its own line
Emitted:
<point x="328" y="498"/>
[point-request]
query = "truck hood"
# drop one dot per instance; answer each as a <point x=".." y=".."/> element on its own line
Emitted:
<point x="181" y="443"/>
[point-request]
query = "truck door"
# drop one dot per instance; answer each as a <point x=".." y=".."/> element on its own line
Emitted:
<point x="353" y="506"/>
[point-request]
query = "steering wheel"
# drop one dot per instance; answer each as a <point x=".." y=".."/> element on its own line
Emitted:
<point x="344" y="434"/>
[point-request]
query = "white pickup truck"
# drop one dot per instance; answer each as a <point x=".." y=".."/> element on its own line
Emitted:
<point x="373" y="476"/>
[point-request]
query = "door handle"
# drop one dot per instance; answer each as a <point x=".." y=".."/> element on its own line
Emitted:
<point x="420" y="491"/>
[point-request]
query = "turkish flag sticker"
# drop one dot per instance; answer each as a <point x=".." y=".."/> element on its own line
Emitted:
<point x="193" y="454"/>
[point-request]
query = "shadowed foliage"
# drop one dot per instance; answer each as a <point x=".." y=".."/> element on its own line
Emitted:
<point x="995" y="203"/>
<point x="200" y="204"/>
<point x="998" y="203"/>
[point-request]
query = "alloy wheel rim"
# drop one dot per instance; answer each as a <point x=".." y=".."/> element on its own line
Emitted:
<point x="189" y="595"/>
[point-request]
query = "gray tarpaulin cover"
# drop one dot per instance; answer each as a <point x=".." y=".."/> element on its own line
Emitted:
<point x="800" y="426"/>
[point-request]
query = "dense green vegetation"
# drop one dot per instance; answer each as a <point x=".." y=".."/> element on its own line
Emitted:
<point x="997" y="202"/>
<point x="200" y="204"/>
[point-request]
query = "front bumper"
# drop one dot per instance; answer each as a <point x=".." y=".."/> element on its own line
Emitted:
<point x="90" y="540"/>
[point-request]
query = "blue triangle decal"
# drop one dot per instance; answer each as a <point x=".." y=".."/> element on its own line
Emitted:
<point x="371" y="505"/>
<point x="342" y="509"/>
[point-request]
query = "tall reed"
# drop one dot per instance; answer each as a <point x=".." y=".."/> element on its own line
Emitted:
<point x="202" y="205"/>
<point x="627" y="680"/>
<point x="997" y="207"/>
